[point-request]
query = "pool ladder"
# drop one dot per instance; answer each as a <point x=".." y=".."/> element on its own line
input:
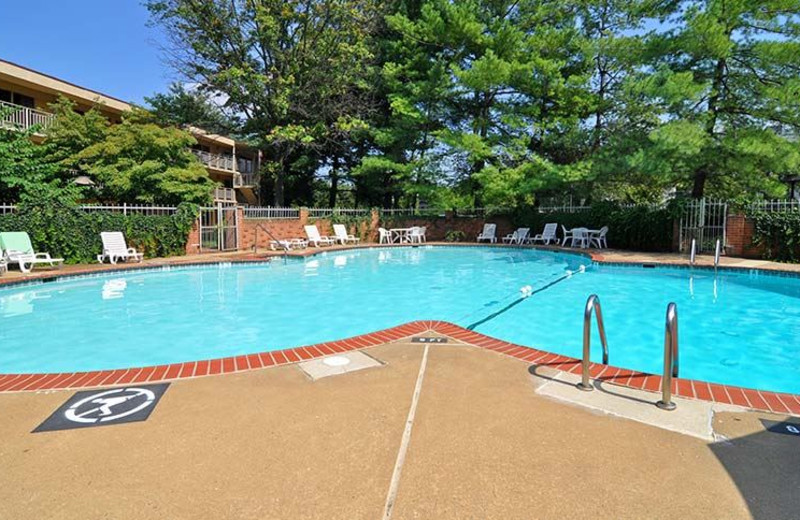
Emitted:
<point x="671" y="365"/>
<point x="592" y="305"/>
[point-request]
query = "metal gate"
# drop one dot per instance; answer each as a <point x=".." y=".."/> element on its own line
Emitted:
<point x="219" y="228"/>
<point x="703" y="220"/>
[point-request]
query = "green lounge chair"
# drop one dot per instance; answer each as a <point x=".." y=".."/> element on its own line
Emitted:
<point x="18" y="249"/>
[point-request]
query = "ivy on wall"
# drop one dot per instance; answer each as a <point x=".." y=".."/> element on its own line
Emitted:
<point x="778" y="233"/>
<point x="74" y="235"/>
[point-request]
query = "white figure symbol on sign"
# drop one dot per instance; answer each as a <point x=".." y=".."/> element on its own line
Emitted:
<point x="104" y="412"/>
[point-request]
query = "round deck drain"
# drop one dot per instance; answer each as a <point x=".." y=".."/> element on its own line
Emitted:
<point x="336" y="361"/>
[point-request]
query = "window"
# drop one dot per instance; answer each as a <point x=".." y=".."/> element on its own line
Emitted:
<point x="25" y="101"/>
<point x="5" y="95"/>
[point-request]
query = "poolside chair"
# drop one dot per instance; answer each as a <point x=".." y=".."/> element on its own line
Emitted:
<point x="115" y="248"/>
<point x="19" y="250"/>
<point x="579" y="237"/>
<point x="547" y="235"/>
<point x="520" y="236"/>
<point x="384" y="236"/>
<point x="488" y="233"/>
<point x="3" y="263"/>
<point x="343" y="237"/>
<point x="315" y="239"/>
<point x="416" y="235"/>
<point x="287" y="244"/>
<point x="422" y="232"/>
<point x="600" y="238"/>
<point x="567" y="235"/>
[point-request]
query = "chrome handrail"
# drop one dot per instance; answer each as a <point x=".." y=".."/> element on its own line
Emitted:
<point x="671" y="365"/>
<point x="592" y="304"/>
<point x="286" y="248"/>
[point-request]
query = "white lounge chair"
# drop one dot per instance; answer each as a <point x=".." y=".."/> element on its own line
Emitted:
<point x="3" y="263"/>
<point x="115" y="248"/>
<point x="488" y="233"/>
<point x="315" y="239"/>
<point x="384" y="236"/>
<point x="287" y="244"/>
<point x="519" y="236"/>
<point x="19" y="250"/>
<point x="343" y="237"/>
<point x="600" y="239"/>
<point x="547" y="235"/>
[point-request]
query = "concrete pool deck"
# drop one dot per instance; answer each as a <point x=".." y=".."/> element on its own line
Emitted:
<point x="485" y="442"/>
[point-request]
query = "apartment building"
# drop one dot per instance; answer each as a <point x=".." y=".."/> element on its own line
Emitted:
<point x="27" y="93"/>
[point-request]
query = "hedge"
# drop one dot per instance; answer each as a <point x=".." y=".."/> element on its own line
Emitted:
<point x="778" y="233"/>
<point x="74" y="235"/>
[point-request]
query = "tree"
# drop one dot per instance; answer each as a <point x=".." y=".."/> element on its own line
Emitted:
<point x="182" y="107"/>
<point x="26" y="171"/>
<point x="295" y="70"/>
<point x="729" y="84"/>
<point x="141" y="162"/>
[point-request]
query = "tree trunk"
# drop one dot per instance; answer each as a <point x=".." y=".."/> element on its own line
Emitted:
<point x="334" y="182"/>
<point x="278" y="192"/>
<point x="701" y="173"/>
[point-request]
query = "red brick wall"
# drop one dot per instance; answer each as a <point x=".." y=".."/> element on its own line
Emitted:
<point x="437" y="228"/>
<point x="739" y="237"/>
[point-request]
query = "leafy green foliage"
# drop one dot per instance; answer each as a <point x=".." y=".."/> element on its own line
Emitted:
<point x="140" y="162"/>
<point x="183" y="107"/>
<point x="778" y="232"/>
<point x="64" y="230"/>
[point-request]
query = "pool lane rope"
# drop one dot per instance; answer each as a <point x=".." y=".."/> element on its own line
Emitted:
<point x="526" y="292"/>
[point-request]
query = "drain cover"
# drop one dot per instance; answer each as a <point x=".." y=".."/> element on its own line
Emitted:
<point x="336" y="361"/>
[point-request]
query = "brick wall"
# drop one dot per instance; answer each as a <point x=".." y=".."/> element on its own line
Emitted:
<point x="739" y="237"/>
<point x="251" y="230"/>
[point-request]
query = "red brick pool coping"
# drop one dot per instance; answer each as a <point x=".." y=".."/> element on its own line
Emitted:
<point x="754" y="399"/>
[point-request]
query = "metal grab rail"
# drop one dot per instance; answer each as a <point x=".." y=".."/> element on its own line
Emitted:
<point x="592" y="304"/>
<point x="267" y="231"/>
<point x="671" y="365"/>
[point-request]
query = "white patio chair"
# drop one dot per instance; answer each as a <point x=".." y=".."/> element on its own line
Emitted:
<point x="600" y="238"/>
<point x="519" y="236"/>
<point x="488" y="233"/>
<point x="3" y="263"/>
<point x="415" y="235"/>
<point x="567" y="235"/>
<point x="315" y="239"/>
<point x="547" y="235"/>
<point x="115" y="248"/>
<point x="19" y="250"/>
<point x="422" y="231"/>
<point x="384" y="236"/>
<point x="342" y="236"/>
<point x="580" y="237"/>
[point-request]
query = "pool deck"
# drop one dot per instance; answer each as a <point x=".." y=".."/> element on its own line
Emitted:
<point x="483" y="442"/>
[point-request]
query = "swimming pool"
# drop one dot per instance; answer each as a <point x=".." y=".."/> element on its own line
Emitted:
<point x="735" y="328"/>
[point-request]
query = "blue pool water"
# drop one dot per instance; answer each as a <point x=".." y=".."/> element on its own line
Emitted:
<point x="735" y="328"/>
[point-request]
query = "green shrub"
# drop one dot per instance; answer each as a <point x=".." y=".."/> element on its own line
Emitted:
<point x="73" y="234"/>
<point x="778" y="233"/>
<point x="637" y="228"/>
<point x="455" y="236"/>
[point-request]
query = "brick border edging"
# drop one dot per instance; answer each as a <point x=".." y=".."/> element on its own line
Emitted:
<point x="687" y="388"/>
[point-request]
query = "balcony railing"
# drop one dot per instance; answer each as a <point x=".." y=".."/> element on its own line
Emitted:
<point x="245" y="180"/>
<point x="19" y="117"/>
<point x="225" y="195"/>
<point x="216" y="160"/>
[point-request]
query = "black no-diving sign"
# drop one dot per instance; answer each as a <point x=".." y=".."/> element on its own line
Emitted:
<point x="786" y="428"/>
<point x="102" y="407"/>
<point x="424" y="339"/>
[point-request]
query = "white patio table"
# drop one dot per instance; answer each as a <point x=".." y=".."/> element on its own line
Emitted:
<point x="399" y="235"/>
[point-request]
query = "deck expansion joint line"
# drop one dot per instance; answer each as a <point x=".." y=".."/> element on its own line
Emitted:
<point x="391" y="495"/>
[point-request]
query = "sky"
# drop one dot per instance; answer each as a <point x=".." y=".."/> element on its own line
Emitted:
<point x="103" y="45"/>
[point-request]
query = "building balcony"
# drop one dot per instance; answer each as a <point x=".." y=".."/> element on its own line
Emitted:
<point x="23" y="118"/>
<point x="224" y="195"/>
<point x="245" y="180"/>
<point x="216" y="161"/>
